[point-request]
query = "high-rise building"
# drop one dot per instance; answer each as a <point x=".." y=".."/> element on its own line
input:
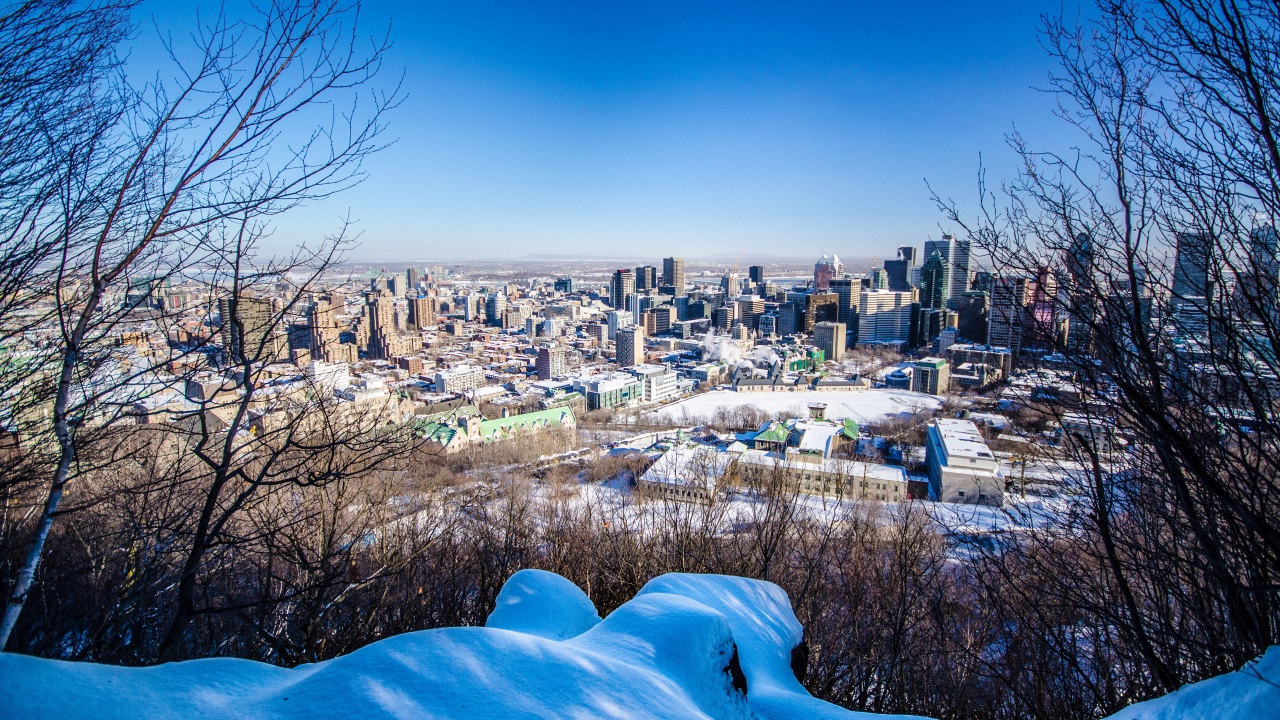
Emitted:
<point x="617" y="320"/>
<point x="515" y="316"/>
<point x="324" y="334"/>
<point x="971" y="312"/>
<point x="646" y="278"/>
<point x="422" y="312"/>
<point x="899" y="270"/>
<point x="884" y="316"/>
<point x="621" y="288"/>
<point x="249" y="332"/>
<point x="820" y="307"/>
<point x="673" y="275"/>
<point x="412" y="276"/>
<point x="629" y="346"/>
<point x="550" y="363"/>
<point x="824" y="270"/>
<point x="960" y="260"/>
<point x="847" y="291"/>
<point x="756" y="273"/>
<point x="829" y="337"/>
<point x="564" y="284"/>
<point x="730" y="285"/>
<point x="494" y="307"/>
<point x="750" y="308"/>
<point x="384" y="341"/>
<point x="945" y="249"/>
<point x="1009" y="299"/>
<point x="664" y="318"/>
<point x="933" y="282"/>
<point x="1192" y="270"/>
<point x="724" y="316"/>
<point x="1082" y="294"/>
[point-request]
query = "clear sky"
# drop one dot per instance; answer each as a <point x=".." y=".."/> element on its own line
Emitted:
<point x="599" y="128"/>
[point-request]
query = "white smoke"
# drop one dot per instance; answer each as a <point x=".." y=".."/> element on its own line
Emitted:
<point x="722" y="348"/>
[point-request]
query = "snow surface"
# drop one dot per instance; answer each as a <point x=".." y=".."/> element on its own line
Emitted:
<point x="537" y="602"/>
<point x="667" y="653"/>
<point x="1251" y="693"/>
<point x="865" y="406"/>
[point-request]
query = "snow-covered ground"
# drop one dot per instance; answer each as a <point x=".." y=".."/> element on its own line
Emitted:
<point x="1251" y="693"/>
<point x="865" y="406"/>
<point x="687" y="646"/>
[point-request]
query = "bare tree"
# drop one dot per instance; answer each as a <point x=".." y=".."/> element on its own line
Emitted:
<point x="1156" y="243"/>
<point x="231" y="142"/>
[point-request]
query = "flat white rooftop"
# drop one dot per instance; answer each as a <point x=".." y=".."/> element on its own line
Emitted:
<point x="961" y="439"/>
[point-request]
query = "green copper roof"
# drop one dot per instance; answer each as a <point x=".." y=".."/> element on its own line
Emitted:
<point x="772" y="432"/>
<point x="501" y="427"/>
<point x="850" y="429"/>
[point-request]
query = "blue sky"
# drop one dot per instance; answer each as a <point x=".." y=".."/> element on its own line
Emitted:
<point x="595" y="128"/>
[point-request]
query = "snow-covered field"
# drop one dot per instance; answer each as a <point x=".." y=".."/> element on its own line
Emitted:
<point x="865" y="406"/>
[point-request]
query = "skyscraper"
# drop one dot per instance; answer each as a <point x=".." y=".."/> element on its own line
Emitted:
<point x="959" y="267"/>
<point x="847" y="290"/>
<point x="673" y="275"/>
<point x="248" y="330"/>
<point x="899" y="270"/>
<point x="729" y="283"/>
<point x="824" y="270"/>
<point x="1081" y="293"/>
<point x="756" y="273"/>
<point x="933" y="282"/>
<point x="1009" y="300"/>
<point x="646" y="278"/>
<point x="412" y="275"/>
<point x="971" y="311"/>
<point x="494" y="307"/>
<point x="622" y="288"/>
<point x="884" y="316"/>
<point x="1191" y="270"/>
<point x="422" y="312"/>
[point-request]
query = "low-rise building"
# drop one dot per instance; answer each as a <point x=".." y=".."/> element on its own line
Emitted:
<point x="459" y="379"/>
<point x="660" y="383"/>
<point x="610" y="390"/>
<point x="962" y="469"/>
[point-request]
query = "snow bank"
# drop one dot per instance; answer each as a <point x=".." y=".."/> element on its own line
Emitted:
<point x="769" y="641"/>
<point x="685" y="647"/>
<point x="537" y="602"/>
<point x="1251" y="693"/>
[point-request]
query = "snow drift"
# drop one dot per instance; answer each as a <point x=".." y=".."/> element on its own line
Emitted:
<point x="687" y="646"/>
<point x="1250" y="693"/>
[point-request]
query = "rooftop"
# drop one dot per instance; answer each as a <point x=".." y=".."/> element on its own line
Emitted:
<point x="961" y="439"/>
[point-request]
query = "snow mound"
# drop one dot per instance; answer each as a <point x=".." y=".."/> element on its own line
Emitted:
<point x="1250" y="693"/>
<point x="685" y="647"/>
<point x="769" y="641"/>
<point x="537" y="602"/>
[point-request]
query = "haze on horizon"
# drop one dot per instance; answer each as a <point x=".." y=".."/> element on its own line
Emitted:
<point x="656" y="129"/>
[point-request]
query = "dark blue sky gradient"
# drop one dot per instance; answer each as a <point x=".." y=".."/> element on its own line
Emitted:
<point x="701" y="129"/>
